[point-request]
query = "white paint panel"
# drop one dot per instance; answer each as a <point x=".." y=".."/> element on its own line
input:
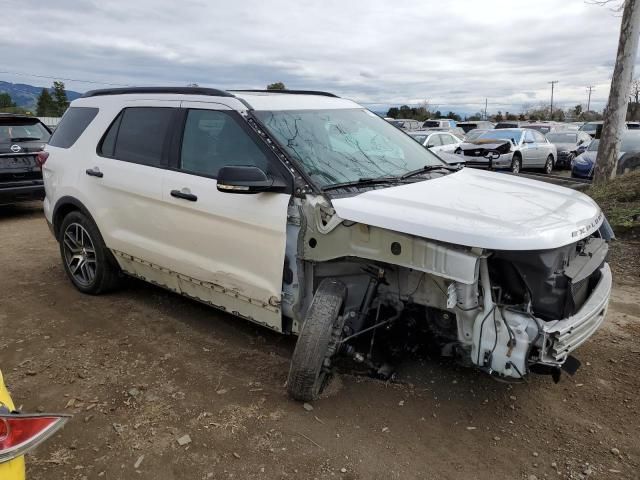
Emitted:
<point x="479" y="209"/>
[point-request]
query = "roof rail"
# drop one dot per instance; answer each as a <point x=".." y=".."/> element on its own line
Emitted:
<point x="290" y="92"/>
<point x="175" y="90"/>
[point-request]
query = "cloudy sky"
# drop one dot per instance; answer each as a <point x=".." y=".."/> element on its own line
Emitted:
<point x="452" y="53"/>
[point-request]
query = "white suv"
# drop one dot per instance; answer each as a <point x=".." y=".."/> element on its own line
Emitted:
<point x="310" y="215"/>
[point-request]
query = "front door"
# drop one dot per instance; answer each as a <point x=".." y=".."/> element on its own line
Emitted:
<point x="227" y="248"/>
<point x="530" y="156"/>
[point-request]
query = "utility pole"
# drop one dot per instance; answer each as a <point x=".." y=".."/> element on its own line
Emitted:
<point x="553" y="82"/>
<point x="590" y="87"/>
<point x="485" y="109"/>
<point x="616" y="111"/>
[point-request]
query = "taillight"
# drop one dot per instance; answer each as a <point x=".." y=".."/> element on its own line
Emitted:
<point x="41" y="157"/>
<point x="20" y="433"/>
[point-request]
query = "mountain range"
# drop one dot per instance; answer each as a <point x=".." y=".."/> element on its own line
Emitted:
<point x="26" y="96"/>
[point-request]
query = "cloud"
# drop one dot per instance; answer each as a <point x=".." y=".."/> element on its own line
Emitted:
<point x="453" y="54"/>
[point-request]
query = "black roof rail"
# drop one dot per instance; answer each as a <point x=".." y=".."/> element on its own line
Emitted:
<point x="291" y="92"/>
<point x="213" y="92"/>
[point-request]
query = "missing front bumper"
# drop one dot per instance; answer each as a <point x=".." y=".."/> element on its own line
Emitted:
<point x="561" y="337"/>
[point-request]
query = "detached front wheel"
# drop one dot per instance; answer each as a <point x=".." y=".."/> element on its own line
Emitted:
<point x="318" y="342"/>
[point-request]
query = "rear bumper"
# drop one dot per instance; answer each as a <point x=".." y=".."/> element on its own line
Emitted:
<point x="14" y="192"/>
<point x="561" y="337"/>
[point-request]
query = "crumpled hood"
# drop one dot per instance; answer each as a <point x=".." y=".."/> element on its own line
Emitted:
<point x="565" y="147"/>
<point x="479" y="209"/>
<point x="482" y="145"/>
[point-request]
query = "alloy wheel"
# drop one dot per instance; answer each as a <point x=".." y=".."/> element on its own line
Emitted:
<point x="79" y="254"/>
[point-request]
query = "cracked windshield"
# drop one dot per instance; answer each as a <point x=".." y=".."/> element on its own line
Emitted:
<point x="347" y="145"/>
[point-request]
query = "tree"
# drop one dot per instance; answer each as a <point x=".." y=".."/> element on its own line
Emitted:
<point x="476" y="116"/>
<point x="498" y="117"/>
<point x="46" y="107"/>
<point x="437" y="114"/>
<point x="616" y="111"/>
<point x="6" y="101"/>
<point x="577" y="111"/>
<point x="60" y="99"/>
<point x="454" y="116"/>
<point x="276" y="86"/>
<point x="393" y="112"/>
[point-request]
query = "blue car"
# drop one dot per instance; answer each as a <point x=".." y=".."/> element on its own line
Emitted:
<point x="584" y="164"/>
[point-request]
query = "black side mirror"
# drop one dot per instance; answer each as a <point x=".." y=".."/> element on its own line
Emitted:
<point x="245" y="179"/>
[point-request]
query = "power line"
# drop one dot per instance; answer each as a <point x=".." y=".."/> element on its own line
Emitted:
<point x="93" y="82"/>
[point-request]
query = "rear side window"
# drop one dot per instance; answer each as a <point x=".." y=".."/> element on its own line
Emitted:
<point x="138" y="135"/>
<point x="73" y="123"/>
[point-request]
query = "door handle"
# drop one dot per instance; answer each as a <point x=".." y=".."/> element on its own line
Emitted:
<point x="94" y="172"/>
<point x="185" y="196"/>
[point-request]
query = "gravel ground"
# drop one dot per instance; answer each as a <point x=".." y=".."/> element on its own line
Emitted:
<point x="161" y="387"/>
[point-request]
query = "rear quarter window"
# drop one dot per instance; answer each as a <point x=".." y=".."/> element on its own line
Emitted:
<point x="73" y="123"/>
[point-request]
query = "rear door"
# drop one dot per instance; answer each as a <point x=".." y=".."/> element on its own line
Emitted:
<point x="124" y="179"/>
<point x="530" y="155"/>
<point x="544" y="148"/>
<point x="228" y="248"/>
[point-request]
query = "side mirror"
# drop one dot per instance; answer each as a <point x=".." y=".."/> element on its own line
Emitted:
<point x="580" y="142"/>
<point x="245" y="179"/>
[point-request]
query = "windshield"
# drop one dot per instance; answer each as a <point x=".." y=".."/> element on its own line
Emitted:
<point x="589" y="127"/>
<point x="540" y="128"/>
<point x="502" y="134"/>
<point x="431" y="124"/>
<point x="18" y="130"/>
<point x="562" y="137"/>
<point x="345" y="145"/>
<point x="419" y="138"/>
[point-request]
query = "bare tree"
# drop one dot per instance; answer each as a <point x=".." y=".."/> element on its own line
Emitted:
<point x="615" y="113"/>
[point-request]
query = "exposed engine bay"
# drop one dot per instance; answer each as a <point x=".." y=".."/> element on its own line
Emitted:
<point x="507" y="313"/>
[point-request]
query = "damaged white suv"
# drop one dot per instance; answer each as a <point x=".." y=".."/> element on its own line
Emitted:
<point x="308" y="214"/>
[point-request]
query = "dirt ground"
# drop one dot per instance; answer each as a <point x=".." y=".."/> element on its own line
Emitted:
<point x="141" y="368"/>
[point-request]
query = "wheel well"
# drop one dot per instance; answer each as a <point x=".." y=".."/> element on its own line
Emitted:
<point x="64" y="207"/>
<point x="517" y="155"/>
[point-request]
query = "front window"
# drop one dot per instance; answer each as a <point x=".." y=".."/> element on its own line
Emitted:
<point x="589" y="127"/>
<point x="593" y="146"/>
<point x="562" y="137"/>
<point x="345" y="145"/>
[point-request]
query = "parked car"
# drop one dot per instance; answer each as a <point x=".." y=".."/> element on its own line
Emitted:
<point x="21" y="138"/>
<point x="437" y="141"/>
<point x="509" y="148"/>
<point x="568" y="144"/>
<point x="309" y="215"/>
<point x="633" y="125"/>
<point x="543" y="128"/>
<point x="439" y="123"/>
<point x="406" y="124"/>
<point x="628" y="158"/>
<point x="456" y="131"/>
<point x="20" y="433"/>
<point x="472" y="125"/>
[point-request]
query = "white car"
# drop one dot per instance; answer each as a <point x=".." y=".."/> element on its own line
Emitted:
<point x="437" y="141"/>
<point x="310" y="215"/>
<point x="513" y="148"/>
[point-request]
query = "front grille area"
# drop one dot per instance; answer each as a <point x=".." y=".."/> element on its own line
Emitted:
<point x="579" y="291"/>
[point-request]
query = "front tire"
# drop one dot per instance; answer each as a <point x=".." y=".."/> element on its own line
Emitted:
<point x="516" y="164"/>
<point x="88" y="262"/>
<point x="548" y="165"/>
<point x="318" y="342"/>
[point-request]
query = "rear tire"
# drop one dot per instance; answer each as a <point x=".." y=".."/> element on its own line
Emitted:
<point x="88" y="262"/>
<point x="516" y="164"/>
<point x="318" y="342"/>
<point x="548" y="165"/>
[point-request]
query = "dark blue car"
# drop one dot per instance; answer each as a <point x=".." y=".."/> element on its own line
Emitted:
<point x="583" y="165"/>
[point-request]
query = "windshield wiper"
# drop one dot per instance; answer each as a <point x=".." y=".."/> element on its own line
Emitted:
<point x="360" y="182"/>
<point x="427" y="168"/>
